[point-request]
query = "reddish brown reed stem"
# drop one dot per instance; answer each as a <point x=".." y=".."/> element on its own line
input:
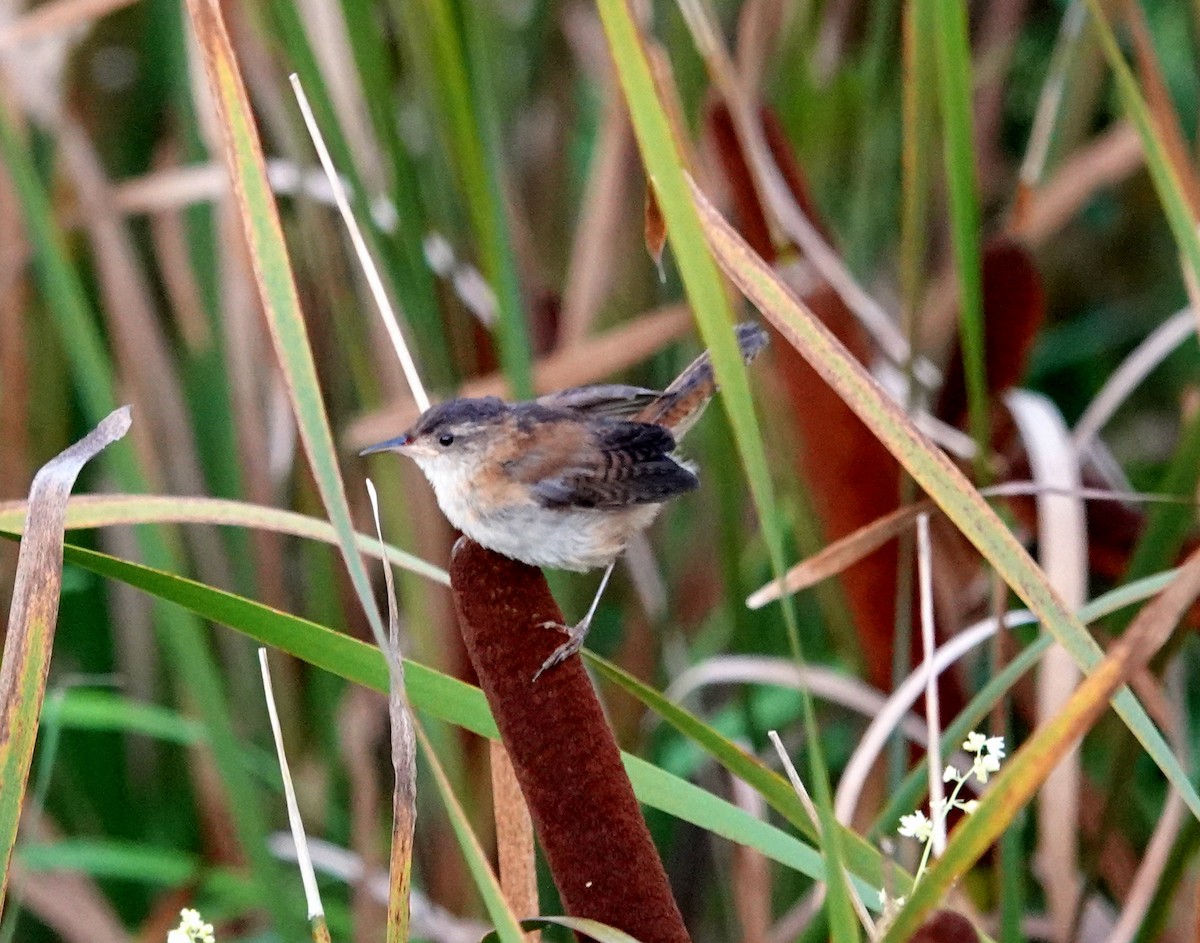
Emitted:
<point x="566" y="760"/>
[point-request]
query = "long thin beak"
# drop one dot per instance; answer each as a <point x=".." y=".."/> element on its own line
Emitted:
<point x="391" y="445"/>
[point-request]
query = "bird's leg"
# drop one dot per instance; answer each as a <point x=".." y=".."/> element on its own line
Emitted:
<point x="576" y="634"/>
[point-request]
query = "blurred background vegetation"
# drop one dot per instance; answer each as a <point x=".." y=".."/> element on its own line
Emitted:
<point x="490" y="158"/>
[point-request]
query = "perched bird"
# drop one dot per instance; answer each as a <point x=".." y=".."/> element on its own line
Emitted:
<point x="565" y="480"/>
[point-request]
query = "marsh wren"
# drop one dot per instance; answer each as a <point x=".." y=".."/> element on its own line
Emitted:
<point x="567" y="479"/>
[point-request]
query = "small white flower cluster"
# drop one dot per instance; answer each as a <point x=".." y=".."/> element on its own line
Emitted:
<point x="988" y="752"/>
<point x="191" y="929"/>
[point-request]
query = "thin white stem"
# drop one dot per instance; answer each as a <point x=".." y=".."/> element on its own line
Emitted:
<point x="587" y="620"/>
<point x="370" y="270"/>
<point x="806" y="800"/>
<point x="307" y="876"/>
<point x="794" y="778"/>
<point x="1069" y="31"/>
<point x="1153" y="350"/>
<point x="937" y="805"/>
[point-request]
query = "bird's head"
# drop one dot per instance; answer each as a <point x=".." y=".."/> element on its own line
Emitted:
<point x="451" y="440"/>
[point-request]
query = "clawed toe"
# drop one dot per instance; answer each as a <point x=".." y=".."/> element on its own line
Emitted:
<point x="575" y="636"/>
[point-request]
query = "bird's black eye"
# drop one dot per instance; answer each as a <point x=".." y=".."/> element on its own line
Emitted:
<point x="445" y="439"/>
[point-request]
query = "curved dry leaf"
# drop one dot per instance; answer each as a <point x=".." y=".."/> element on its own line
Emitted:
<point x="108" y="510"/>
<point x="848" y="550"/>
<point x="1063" y="554"/>
<point x="1103" y="162"/>
<point x="32" y="618"/>
<point x="839" y="555"/>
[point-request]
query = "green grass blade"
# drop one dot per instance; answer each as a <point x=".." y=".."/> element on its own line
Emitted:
<point x="107" y="711"/>
<point x="927" y="464"/>
<point x="1171" y="192"/>
<point x="707" y="294"/>
<point x="862" y="859"/>
<point x="458" y="46"/>
<point x="440" y="696"/>
<point x="414" y="282"/>
<point x="953" y="50"/>
<point x="114" y="860"/>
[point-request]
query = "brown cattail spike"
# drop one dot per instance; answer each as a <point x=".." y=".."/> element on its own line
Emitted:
<point x="566" y="760"/>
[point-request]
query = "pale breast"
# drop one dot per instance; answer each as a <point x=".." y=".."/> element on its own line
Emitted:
<point x="576" y="539"/>
<point x="495" y="502"/>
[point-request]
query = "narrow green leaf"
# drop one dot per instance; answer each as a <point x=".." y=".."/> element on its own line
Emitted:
<point x="124" y="861"/>
<point x="1166" y="181"/>
<point x="953" y="50"/>
<point x="458" y="45"/>
<point x="862" y="859"/>
<point x="83" y="709"/>
<point x="440" y="696"/>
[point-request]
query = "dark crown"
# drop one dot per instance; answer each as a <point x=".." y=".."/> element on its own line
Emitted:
<point x="458" y="413"/>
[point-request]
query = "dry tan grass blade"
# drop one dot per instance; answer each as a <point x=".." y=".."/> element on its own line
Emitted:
<point x="1141" y="361"/>
<point x="32" y="618"/>
<point x="404" y="762"/>
<point x="606" y="199"/>
<point x="870" y="537"/>
<point x="839" y="555"/>
<point x="514" y="839"/>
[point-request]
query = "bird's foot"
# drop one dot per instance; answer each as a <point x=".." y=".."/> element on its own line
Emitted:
<point x="575" y="636"/>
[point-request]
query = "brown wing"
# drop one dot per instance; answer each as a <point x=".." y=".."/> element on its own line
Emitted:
<point x="605" y="399"/>
<point x="609" y="465"/>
